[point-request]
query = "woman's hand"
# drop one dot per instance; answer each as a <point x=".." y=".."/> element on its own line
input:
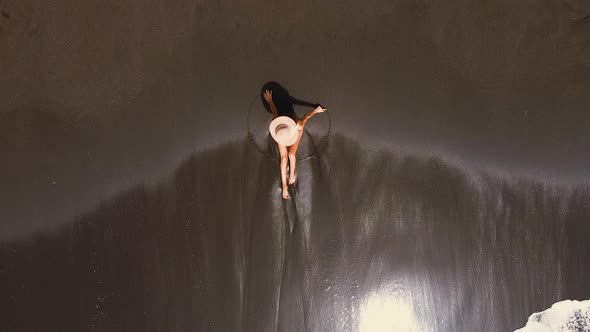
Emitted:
<point x="319" y="109"/>
<point x="267" y="95"/>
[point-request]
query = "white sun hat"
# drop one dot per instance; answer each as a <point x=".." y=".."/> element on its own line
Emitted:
<point x="284" y="130"/>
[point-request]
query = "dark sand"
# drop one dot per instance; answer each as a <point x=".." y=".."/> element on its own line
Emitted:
<point x="100" y="101"/>
<point x="214" y="248"/>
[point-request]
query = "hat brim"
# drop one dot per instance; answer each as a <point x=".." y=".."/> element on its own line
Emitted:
<point x="286" y="140"/>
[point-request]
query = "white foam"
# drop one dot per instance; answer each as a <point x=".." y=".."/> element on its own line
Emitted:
<point x="562" y="316"/>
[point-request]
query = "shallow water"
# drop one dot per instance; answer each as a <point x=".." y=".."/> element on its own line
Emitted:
<point x="370" y="241"/>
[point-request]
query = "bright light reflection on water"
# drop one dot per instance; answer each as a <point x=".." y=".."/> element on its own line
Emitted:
<point x="387" y="311"/>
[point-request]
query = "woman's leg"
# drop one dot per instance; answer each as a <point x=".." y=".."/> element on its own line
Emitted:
<point x="284" y="158"/>
<point x="293" y="148"/>
<point x="293" y="152"/>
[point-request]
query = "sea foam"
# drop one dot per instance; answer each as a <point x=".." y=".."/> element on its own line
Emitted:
<point x="562" y="316"/>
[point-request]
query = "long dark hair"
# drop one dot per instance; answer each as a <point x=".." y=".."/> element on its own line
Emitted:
<point x="282" y="99"/>
<point x="280" y="96"/>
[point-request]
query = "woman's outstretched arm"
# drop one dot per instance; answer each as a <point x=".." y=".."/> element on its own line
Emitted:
<point x="268" y="97"/>
<point x="307" y="116"/>
<point x="296" y="101"/>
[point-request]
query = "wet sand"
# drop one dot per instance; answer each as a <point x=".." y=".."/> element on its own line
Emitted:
<point x="368" y="238"/>
<point x="131" y="200"/>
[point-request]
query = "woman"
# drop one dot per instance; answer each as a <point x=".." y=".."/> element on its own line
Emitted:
<point x="286" y="127"/>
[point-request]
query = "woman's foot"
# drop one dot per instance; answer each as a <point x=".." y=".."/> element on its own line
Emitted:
<point x="286" y="192"/>
<point x="292" y="179"/>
